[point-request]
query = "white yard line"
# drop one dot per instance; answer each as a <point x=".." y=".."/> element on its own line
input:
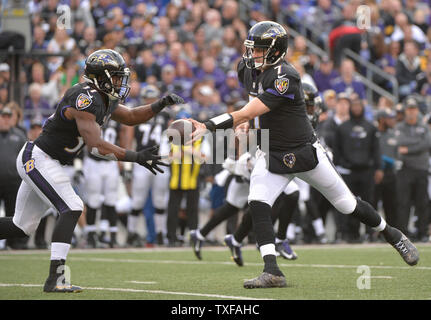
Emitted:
<point x="291" y="265"/>
<point x="142" y="282"/>
<point x="144" y="291"/>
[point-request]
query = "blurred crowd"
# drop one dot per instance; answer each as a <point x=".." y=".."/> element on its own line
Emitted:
<point x="192" y="48"/>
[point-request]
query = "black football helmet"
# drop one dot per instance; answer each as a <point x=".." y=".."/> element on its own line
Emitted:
<point x="100" y="68"/>
<point x="270" y="36"/>
<point x="313" y="103"/>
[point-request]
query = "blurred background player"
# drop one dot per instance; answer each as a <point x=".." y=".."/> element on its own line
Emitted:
<point x="143" y="182"/>
<point x="101" y="178"/>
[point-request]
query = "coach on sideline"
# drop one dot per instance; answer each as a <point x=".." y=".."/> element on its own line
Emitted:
<point x="413" y="142"/>
<point x="11" y="142"/>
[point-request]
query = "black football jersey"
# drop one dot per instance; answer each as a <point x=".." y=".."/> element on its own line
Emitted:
<point x="279" y="88"/>
<point x="111" y="133"/>
<point x="149" y="133"/>
<point x="60" y="137"/>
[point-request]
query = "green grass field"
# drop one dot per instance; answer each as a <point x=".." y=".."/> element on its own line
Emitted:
<point x="320" y="272"/>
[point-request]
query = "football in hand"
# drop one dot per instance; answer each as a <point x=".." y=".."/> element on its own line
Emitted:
<point x="179" y="131"/>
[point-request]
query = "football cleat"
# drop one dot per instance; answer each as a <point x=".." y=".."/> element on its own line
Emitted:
<point x="235" y="250"/>
<point x="196" y="244"/>
<point x="407" y="250"/>
<point x="284" y="250"/>
<point x="266" y="280"/>
<point x="62" y="288"/>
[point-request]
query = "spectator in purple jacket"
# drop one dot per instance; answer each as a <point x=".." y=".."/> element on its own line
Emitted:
<point x="135" y="33"/>
<point x="347" y="82"/>
<point x="325" y="74"/>
<point x="231" y="91"/>
<point x="210" y="70"/>
<point x="35" y="105"/>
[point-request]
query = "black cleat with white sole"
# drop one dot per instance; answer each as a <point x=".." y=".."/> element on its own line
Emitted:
<point x="196" y="244"/>
<point x="236" y="254"/>
<point x="407" y="250"/>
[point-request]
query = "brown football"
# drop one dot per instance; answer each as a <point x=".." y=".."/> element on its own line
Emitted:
<point x="179" y="131"/>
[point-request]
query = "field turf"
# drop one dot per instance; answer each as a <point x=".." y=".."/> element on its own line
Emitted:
<point x="327" y="272"/>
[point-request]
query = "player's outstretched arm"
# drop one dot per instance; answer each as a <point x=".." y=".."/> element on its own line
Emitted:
<point x="138" y="115"/>
<point x="251" y="110"/>
<point x="90" y="132"/>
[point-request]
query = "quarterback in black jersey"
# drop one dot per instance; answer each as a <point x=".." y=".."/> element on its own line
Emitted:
<point x="76" y="122"/>
<point x="277" y="105"/>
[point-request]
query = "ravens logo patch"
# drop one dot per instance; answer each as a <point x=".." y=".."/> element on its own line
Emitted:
<point x="83" y="101"/>
<point x="289" y="160"/>
<point x="281" y="85"/>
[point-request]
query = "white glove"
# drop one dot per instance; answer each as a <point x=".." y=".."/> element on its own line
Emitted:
<point x="229" y="164"/>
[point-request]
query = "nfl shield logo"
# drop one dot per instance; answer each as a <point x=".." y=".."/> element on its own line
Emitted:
<point x="281" y="85"/>
<point x="289" y="160"/>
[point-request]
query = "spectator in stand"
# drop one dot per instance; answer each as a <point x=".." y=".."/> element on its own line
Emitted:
<point x="323" y="15"/>
<point x="232" y="92"/>
<point x="305" y="77"/>
<point x="209" y="69"/>
<point x="134" y="98"/>
<point x="345" y="34"/>
<point x="213" y="25"/>
<point x="107" y="26"/>
<point x="17" y="117"/>
<point x="206" y="101"/>
<point x="39" y="41"/>
<point x="229" y="52"/>
<point x="101" y="11"/>
<point x="60" y="43"/>
<point x="347" y="82"/>
<point x="163" y="26"/>
<point x="184" y="78"/>
<point x="89" y="41"/>
<point x="325" y="74"/>
<point x="134" y="33"/>
<point x="168" y="80"/>
<point x="4" y="92"/>
<point x="174" y="54"/>
<point x="231" y="17"/>
<point x="35" y="105"/>
<point x="159" y="49"/>
<point x="81" y="10"/>
<point x="403" y="25"/>
<point x="424" y="82"/>
<point x="299" y="53"/>
<point x="407" y="69"/>
<point x="146" y="66"/>
<point x="51" y="89"/>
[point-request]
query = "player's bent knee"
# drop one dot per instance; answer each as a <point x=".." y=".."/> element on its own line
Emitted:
<point x="23" y="228"/>
<point x="345" y="205"/>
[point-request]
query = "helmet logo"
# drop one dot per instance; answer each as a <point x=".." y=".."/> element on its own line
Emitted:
<point x="104" y="59"/>
<point x="281" y="85"/>
<point x="83" y="101"/>
<point x="272" y="33"/>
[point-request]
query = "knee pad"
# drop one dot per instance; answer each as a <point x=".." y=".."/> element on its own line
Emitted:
<point x="345" y="204"/>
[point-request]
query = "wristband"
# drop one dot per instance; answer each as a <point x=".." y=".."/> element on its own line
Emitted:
<point x="131" y="156"/>
<point x="224" y="121"/>
<point x="158" y="106"/>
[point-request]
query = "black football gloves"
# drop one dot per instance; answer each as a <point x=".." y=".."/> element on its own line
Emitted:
<point x="148" y="158"/>
<point x="168" y="100"/>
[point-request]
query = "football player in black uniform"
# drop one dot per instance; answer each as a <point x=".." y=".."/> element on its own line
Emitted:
<point x="76" y="122"/>
<point x="277" y="105"/>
